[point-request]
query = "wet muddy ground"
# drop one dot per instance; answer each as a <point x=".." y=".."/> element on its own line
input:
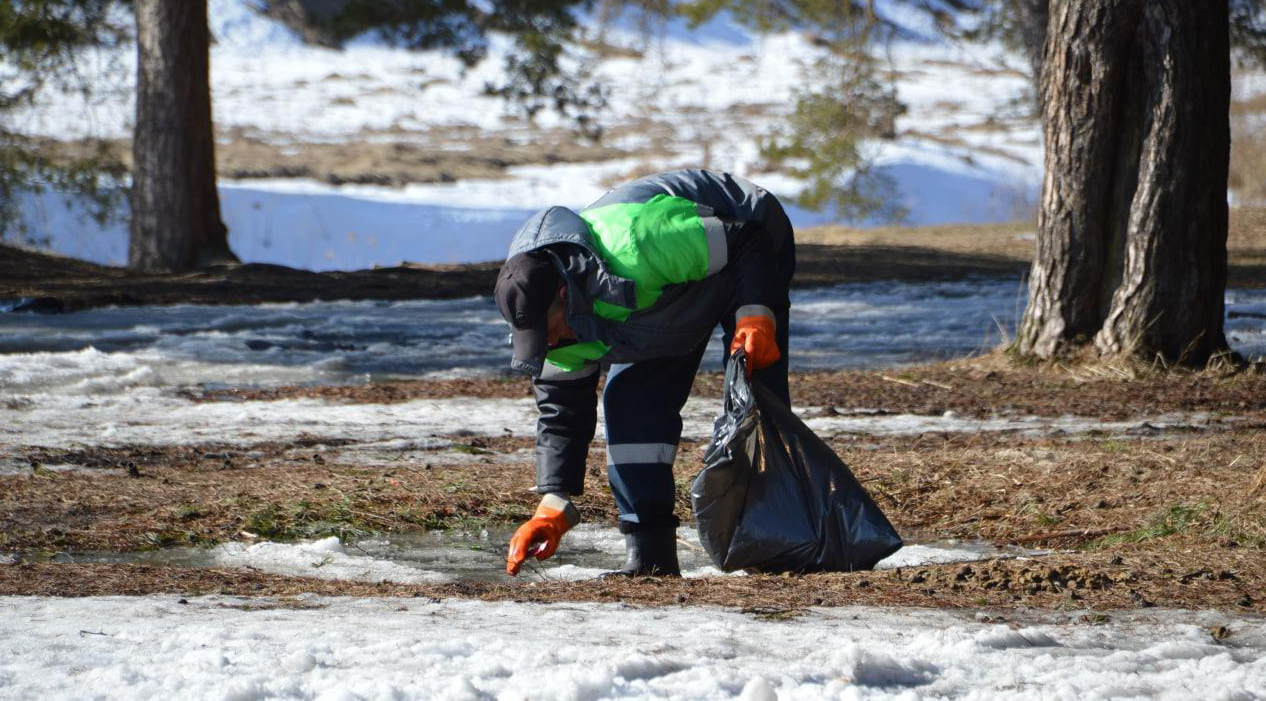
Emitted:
<point x="1161" y="516"/>
<point x="1166" y="517"/>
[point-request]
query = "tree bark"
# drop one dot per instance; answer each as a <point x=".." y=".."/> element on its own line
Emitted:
<point x="1170" y="302"/>
<point x="1132" y="224"/>
<point x="176" y="223"/>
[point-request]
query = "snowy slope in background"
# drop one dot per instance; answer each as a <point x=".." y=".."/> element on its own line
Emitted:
<point x="693" y="98"/>
<point x="332" y="649"/>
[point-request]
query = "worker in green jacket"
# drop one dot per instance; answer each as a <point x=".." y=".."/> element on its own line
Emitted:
<point x="637" y="282"/>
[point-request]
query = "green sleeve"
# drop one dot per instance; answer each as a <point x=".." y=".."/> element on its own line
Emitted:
<point x="574" y="357"/>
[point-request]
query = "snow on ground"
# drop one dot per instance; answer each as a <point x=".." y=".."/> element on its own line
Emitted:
<point x="151" y="417"/>
<point x="225" y="648"/>
<point x="963" y="153"/>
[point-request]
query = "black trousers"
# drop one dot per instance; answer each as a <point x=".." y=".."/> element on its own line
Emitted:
<point x="642" y="404"/>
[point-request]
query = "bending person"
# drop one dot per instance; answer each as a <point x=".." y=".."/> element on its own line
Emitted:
<point x="637" y="282"/>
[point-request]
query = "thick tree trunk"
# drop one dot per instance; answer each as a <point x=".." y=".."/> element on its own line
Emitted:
<point x="176" y="221"/>
<point x="1132" y="225"/>
<point x="1170" y="302"/>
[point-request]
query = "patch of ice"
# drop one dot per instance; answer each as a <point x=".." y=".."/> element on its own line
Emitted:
<point x="586" y="552"/>
<point x="407" y="444"/>
<point x="576" y="573"/>
<point x="695" y="562"/>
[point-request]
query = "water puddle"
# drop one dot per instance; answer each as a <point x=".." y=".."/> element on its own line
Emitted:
<point x="479" y="556"/>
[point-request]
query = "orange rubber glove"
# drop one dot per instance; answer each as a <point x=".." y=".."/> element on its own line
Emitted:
<point x="540" y="535"/>
<point x="755" y="335"/>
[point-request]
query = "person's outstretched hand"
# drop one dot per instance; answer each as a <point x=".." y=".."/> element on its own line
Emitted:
<point x="755" y="335"/>
<point x="540" y="535"/>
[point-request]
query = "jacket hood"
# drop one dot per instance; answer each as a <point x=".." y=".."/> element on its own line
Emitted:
<point x="578" y="262"/>
<point x="552" y="225"/>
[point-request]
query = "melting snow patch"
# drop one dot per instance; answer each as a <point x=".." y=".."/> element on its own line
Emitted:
<point x="321" y="559"/>
<point x="156" y="417"/>
<point x="952" y="422"/>
<point x="914" y="555"/>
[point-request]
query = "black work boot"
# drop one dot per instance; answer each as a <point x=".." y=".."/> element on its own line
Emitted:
<point x="651" y="553"/>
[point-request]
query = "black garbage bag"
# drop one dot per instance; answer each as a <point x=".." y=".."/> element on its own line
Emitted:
<point x="773" y="497"/>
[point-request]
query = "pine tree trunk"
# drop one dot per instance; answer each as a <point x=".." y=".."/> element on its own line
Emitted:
<point x="1170" y="302"/>
<point x="1132" y="224"/>
<point x="176" y="221"/>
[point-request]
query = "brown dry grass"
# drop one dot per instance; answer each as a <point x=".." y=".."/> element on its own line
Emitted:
<point x="1095" y="491"/>
<point x="389" y="157"/>
<point x="1068" y="491"/>
<point x="1247" y="233"/>
<point x="190" y="495"/>
<point x="1247" y="236"/>
<point x="1015" y="243"/>
<point x="1182" y="578"/>
<point x="1010" y="241"/>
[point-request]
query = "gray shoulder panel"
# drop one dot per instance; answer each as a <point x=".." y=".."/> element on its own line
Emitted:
<point x="731" y="196"/>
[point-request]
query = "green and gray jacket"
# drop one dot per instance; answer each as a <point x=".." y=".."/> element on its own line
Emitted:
<point x="650" y="269"/>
